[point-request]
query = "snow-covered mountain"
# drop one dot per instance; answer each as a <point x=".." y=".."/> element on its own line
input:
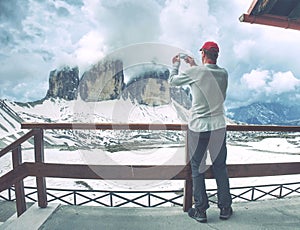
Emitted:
<point x="55" y="110"/>
<point x="266" y="113"/>
<point x="9" y="124"/>
<point x="117" y="111"/>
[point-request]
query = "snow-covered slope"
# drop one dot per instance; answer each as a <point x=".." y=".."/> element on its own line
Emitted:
<point x="58" y="110"/>
<point x="117" y="111"/>
<point x="9" y="124"/>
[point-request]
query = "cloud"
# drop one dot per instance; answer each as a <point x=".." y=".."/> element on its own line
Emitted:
<point x="13" y="12"/>
<point x="256" y="79"/>
<point x="270" y="82"/>
<point x="284" y="82"/>
<point x="265" y="85"/>
<point x="184" y="23"/>
<point x="124" y="22"/>
<point x="244" y="49"/>
<point x="39" y="36"/>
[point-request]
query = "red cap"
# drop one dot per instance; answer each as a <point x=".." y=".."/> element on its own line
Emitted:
<point x="210" y="45"/>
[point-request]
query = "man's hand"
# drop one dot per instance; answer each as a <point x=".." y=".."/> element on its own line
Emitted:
<point x="176" y="59"/>
<point x="190" y="60"/>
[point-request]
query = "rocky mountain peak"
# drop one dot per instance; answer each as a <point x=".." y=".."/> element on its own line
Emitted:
<point x="148" y="84"/>
<point x="103" y="81"/>
<point x="63" y="83"/>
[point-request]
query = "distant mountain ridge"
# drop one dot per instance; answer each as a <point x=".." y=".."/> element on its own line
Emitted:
<point x="266" y="113"/>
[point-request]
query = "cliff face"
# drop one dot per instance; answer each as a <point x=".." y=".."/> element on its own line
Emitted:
<point x="149" y="91"/>
<point x="104" y="81"/>
<point x="63" y="83"/>
<point x="149" y="87"/>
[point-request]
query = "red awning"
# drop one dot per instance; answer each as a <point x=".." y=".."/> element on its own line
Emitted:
<point x="279" y="13"/>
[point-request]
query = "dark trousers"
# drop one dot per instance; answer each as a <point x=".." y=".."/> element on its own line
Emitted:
<point x="212" y="143"/>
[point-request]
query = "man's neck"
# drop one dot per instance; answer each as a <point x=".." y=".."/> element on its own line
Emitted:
<point x="209" y="61"/>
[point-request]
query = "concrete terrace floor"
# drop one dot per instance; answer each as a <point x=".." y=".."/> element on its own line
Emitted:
<point x="268" y="214"/>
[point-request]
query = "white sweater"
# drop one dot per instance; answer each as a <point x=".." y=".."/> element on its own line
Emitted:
<point x="208" y="85"/>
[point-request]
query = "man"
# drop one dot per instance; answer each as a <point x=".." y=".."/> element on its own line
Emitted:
<point x="207" y="127"/>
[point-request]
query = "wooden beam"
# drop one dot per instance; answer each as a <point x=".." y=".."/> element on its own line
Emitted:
<point x="264" y="128"/>
<point x="39" y="158"/>
<point x="252" y="6"/>
<point x="109" y="172"/>
<point x="269" y="20"/>
<point x="10" y="178"/>
<point x="104" y="126"/>
<point x="17" y="142"/>
<point x="140" y="126"/>
<point x="19" y="185"/>
<point x="263" y="169"/>
<point x="154" y="172"/>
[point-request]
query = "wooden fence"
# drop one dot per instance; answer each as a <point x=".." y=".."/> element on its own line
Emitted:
<point x="40" y="169"/>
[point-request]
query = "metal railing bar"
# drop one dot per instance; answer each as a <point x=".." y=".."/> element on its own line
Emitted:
<point x="243" y="193"/>
<point x="167" y="200"/>
<point x="74" y="198"/>
<point x="4" y="198"/>
<point x="30" y="198"/>
<point x="291" y="191"/>
<point x="60" y="198"/>
<point x="269" y="193"/>
<point x="149" y="195"/>
<point x="96" y="201"/>
<point x="89" y="200"/>
<point x="29" y="194"/>
<point x="129" y="200"/>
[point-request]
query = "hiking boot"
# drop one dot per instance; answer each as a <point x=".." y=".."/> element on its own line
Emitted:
<point x="225" y="213"/>
<point x="198" y="215"/>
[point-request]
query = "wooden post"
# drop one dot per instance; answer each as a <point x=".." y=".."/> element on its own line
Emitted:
<point x="39" y="158"/>
<point x="19" y="185"/>
<point x="188" y="183"/>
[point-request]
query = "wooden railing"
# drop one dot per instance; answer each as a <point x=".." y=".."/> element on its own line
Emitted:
<point x="41" y="169"/>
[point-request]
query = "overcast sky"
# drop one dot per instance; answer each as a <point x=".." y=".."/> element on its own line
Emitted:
<point x="39" y="36"/>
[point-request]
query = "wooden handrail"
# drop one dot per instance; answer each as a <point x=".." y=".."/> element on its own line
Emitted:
<point x="13" y="176"/>
<point x="140" y="126"/>
<point x="104" y="126"/>
<point x="154" y="172"/>
<point x="263" y="128"/>
<point x="17" y="143"/>
<point x="109" y="172"/>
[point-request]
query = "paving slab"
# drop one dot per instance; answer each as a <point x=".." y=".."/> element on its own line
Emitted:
<point x="32" y="219"/>
<point x="7" y="209"/>
<point x="269" y="214"/>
